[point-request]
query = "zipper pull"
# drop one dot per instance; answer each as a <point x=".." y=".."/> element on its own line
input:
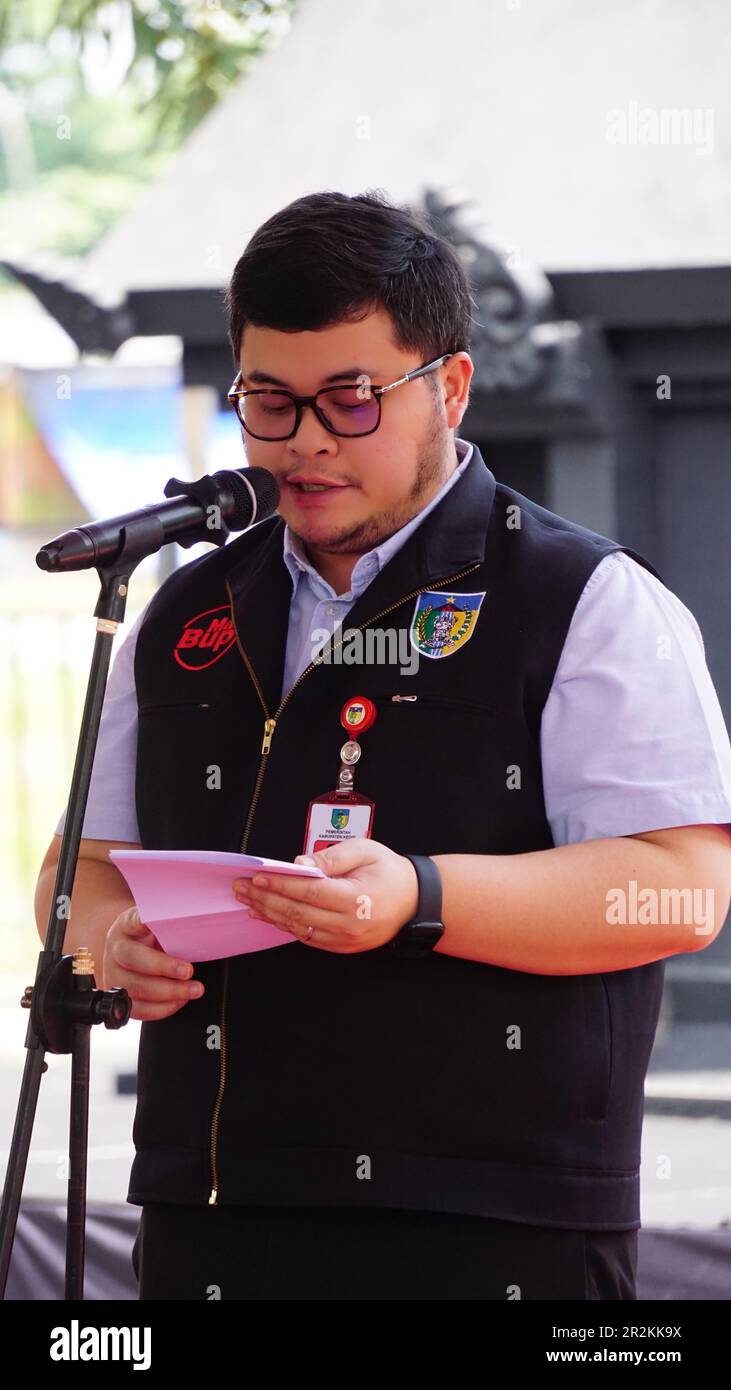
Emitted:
<point x="404" y="697"/>
<point x="213" y="1199"/>
<point x="268" y="731"/>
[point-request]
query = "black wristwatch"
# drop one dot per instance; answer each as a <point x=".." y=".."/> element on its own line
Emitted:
<point x="419" y="936"/>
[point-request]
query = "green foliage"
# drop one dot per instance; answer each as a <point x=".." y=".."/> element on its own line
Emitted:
<point x="185" y="55"/>
<point x="95" y="98"/>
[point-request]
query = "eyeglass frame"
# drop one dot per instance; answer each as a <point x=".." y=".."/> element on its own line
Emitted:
<point x="234" y="395"/>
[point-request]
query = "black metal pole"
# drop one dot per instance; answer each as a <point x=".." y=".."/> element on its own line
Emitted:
<point x="64" y="1002"/>
<point x="78" y="1145"/>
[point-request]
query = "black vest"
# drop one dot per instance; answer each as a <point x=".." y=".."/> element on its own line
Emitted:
<point x="366" y="1079"/>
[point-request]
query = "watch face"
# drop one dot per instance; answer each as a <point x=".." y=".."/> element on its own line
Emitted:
<point x="418" y="938"/>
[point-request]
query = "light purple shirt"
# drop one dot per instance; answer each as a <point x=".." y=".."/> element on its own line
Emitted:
<point x="632" y="734"/>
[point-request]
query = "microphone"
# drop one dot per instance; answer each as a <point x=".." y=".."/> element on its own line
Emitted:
<point x="207" y="509"/>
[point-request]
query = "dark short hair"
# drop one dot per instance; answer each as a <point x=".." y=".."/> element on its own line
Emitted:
<point x="328" y="257"/>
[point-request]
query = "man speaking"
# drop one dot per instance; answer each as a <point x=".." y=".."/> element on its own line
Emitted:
<point x="436" y="1090"/>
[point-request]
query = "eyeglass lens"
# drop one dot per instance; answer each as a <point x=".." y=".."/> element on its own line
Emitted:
<point x="350" y="410"/>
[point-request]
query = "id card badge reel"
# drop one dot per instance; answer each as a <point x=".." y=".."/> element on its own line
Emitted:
<point x="343" y="813"/>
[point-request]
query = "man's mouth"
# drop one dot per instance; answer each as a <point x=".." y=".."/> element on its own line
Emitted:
<point x="314" y="484"/>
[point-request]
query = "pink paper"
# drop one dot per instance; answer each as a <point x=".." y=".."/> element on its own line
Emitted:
<point x="186" y="898"/>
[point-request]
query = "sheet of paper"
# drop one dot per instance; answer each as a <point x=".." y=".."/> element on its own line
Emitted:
<point x="186" y="898"/>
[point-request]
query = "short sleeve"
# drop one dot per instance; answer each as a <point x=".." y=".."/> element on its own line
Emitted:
<point x="632" y="733"/>
<point x="110" y="808"/>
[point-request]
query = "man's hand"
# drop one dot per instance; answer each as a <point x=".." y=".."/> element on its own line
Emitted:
<point x="157" y="984"/>
<point x="369" y="894"/>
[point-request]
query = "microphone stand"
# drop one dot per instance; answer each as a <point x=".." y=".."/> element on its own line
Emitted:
<point x="64" y="1001"/>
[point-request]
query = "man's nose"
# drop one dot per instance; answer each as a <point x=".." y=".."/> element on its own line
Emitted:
<point x="312" y="436"/>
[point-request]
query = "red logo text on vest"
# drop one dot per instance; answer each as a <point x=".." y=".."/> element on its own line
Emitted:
<point x="205" y="638"/>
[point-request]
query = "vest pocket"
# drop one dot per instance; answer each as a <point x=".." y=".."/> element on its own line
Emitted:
<point x="597" y="1068"/>
<point x="405" y="701"/>
<point x="176" y="704"/>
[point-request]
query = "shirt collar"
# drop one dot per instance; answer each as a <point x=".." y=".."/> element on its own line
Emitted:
<point x="368" y="565"/>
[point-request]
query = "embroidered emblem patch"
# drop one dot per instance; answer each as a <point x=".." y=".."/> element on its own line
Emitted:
<point x="205" y="638"/>
<point x="442" y="622"/>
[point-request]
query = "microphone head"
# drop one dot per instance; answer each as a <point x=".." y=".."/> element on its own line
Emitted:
<point x="47" y="557"/>
<point x="242" y="482"/>
<point x="74" y="550"/>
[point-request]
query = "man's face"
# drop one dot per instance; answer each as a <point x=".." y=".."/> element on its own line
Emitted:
<point x="379" y="481"/>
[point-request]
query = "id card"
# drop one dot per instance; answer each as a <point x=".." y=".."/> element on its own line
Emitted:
<point x="331" y="819"/>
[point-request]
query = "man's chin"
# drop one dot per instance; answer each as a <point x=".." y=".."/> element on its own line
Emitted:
<point x="321" y="532"/>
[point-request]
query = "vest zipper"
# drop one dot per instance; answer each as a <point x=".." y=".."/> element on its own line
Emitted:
<point x="270" y="722"/>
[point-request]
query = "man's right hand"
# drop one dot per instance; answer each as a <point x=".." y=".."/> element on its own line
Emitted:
<point x="158" y="984"/>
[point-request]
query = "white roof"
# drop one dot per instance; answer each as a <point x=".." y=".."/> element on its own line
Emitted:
<point x="588" y="135"/>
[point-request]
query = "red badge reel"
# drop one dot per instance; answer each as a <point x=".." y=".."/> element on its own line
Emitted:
<point x="343" y="813"/>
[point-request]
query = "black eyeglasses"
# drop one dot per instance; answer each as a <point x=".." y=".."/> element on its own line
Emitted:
<point x="348" y="411"/>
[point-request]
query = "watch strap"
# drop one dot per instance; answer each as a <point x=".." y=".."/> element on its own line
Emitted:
<point x="419" y="936"/>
